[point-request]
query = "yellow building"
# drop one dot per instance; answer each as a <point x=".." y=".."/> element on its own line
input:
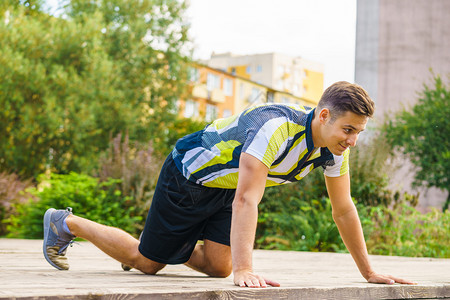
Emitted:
<point x="312" y="85"/>
<point x="284" y="97"/>
<point x="294" y="75"/>
<point x="218" y="94"/>
<point x="248" y="93"/>
<point x="212" y="94"/>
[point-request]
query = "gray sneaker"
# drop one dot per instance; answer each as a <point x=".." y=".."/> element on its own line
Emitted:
<point x="56" y="239"/>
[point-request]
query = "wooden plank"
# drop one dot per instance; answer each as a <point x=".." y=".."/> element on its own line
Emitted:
<point x="279" y="293"/>
<point x="24" y="274"/>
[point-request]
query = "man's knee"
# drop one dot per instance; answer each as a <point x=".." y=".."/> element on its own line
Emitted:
<point x="218" y="259"/>
<point x="221" y="272"/>
<point x="145" y="265"/>
<point x="149" y="269"/>
<point x="221" y="269"/>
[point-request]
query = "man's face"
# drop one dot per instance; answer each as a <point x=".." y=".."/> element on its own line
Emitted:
<point x="343" y="132"/>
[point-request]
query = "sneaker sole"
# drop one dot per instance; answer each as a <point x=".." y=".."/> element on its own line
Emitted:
<point x="47" y="217"/>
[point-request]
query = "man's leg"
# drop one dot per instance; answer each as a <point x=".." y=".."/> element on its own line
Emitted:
<point x="211" y="258"/>
<point x="113" y="241"/>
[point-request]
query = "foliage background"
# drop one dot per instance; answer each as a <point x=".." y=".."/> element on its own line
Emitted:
<point x="12" y="193"/>
<point x="90" y="199"/>
<point x="422" y="133"/>
<point x="68" y="84"/>
<point x="88" y="116"/>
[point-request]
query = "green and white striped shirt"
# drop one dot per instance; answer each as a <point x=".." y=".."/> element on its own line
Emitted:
<point x="279" y="135"/>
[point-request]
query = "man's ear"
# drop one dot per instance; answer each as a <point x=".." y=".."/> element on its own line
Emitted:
<point x="324" y="116"/>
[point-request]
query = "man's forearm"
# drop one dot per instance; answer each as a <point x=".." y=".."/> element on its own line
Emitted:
<point x="351" y="232"/>
<point x="243" y="228"/>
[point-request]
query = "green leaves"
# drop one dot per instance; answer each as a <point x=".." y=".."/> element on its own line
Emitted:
<point x="68" y="84"/>
<point x="298" y="217"/>
<point x="422" y="134"/>
<point x="404" y="231"/>
<point x="101" y="202"/>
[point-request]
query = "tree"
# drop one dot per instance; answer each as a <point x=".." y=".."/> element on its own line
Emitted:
<point x="423" y="135"/>
<point x="70" y="83"/>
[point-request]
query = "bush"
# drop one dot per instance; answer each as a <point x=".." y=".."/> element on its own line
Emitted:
<point x="101" y="202"/>
<point x="369" y="170"/>
<point x="178" y="128"/>
<point x="422" y="135"/>
<point x="136" y="166"/>
<point x="68" y="82"/>
<point x="12" y="192"/>
<point x="298" y="217"/>
<point x="404" y="231"/>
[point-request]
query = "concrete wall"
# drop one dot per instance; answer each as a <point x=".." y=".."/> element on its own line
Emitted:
<point x="366" y="54"/>
<point x="397" y="43"/>
<point x="414" y="37"/>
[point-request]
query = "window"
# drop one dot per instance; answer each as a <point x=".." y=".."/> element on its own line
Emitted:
<point x="259" y="68"/>
<point x="194" y="75"/>
<point x="254" y="95"/>
<point x="248" y="69"/>
<point x="285" y="100"/>
<point x="305" y="88"/>
<point x="212" y="82"/>
<point x="226" y="113"/>
<point x="191" y="109"/>
<point x="211" y="113"/>
<point x="233" y="71"/>
<point x="241" y="91"/>
<point x="228" y="87"/>
<point x="270" y="97"/>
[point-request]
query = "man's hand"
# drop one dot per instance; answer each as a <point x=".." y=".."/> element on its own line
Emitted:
<point x="346" y="217"/>
<point x="387" y="279"/>
<point x="249" y="191"/>
<point x="247" y="278"/>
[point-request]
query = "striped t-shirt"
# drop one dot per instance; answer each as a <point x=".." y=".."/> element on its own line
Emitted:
<point x="279" y="135"/>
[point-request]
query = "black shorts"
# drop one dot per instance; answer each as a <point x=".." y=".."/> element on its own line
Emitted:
<point x="183" y="212"/>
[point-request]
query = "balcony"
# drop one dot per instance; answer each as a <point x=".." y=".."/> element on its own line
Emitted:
<point x="217" y="96"/>
<point x="200" y="91"/>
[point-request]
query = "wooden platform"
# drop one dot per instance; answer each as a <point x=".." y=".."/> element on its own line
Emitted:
<point x="24" y="274"/>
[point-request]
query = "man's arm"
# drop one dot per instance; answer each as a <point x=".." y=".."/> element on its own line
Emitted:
<point x="346" y="218"/>
<point x="250" y="189"/>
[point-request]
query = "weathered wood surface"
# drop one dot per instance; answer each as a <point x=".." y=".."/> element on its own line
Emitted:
<point x="24" y="274"/>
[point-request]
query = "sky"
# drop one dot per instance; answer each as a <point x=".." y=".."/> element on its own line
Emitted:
<point x="318" y="30"/>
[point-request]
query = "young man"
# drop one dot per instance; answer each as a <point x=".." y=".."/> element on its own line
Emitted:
<point x="210" y="186"/>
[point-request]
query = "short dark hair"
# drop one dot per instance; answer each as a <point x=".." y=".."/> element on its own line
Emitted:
<point x="343" y="96"/>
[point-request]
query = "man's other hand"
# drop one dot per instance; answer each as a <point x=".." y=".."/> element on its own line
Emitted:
<point x="249" y="279"/>
<point x="387" y="279"/>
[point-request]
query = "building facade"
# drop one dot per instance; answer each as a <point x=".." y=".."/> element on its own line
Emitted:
<point x="215" y="93"/>
<point x="294" y="75"/>
<point x="212" y="94"/>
